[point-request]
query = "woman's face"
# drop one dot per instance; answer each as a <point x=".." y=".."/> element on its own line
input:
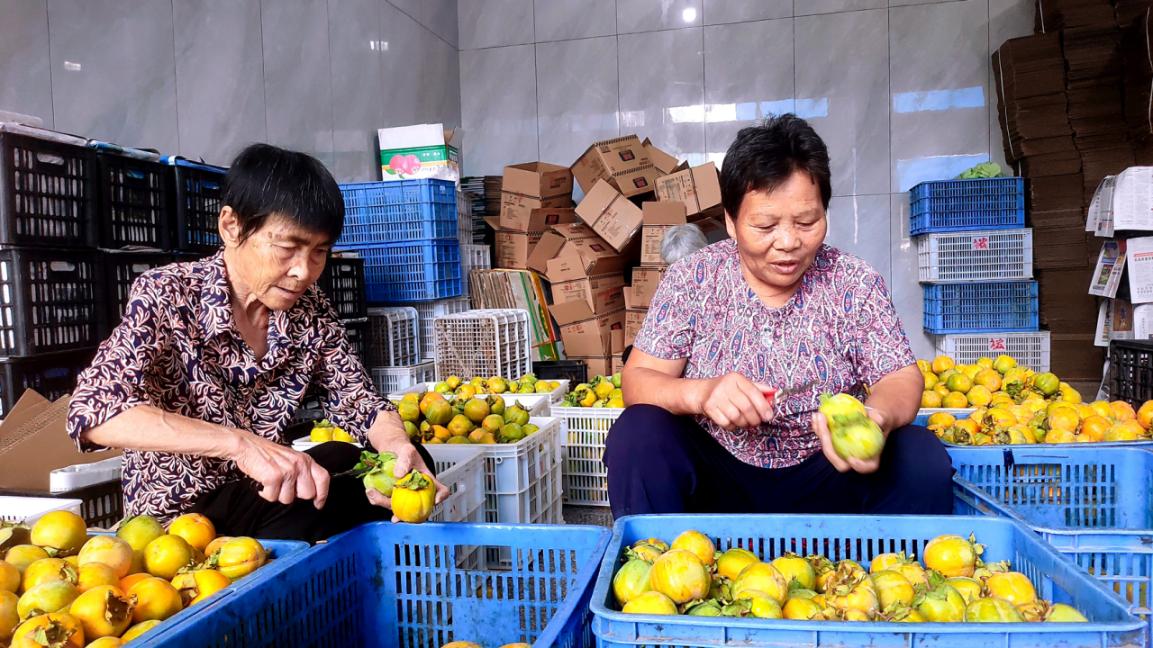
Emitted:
<point x="277" y="262"/>
<point x="778" y="233"/>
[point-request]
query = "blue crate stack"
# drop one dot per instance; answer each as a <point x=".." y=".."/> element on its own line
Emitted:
<point x="406" y="232"/>
<point x="974" y="306"/>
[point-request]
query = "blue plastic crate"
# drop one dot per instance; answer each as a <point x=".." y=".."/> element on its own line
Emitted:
<point x="957" y="205"/>
<point x="401" y="585"/>
<point x="981" y="307"/>
<point x="390" y="212"/>
<point x="1093" y="504"/>
<point x="411" y="271"/>
<point x="860" y="538"/>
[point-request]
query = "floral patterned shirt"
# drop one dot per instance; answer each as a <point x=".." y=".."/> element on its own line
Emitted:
<point x="839" y="330"/>
<point x="177" y="349"/>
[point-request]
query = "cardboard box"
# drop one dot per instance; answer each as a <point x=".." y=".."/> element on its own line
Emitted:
<point x="582" y="256"/>
<point x="34" y="442"/>
<point x="1075" y="357"/>
<point x="537" y="220"/>
<point x="597" y="365"/>
<point x="623" y="162"/>
<point x="584" y="333"/>
<point x="516" y="211"/>
<point x="659" y="217"/>
<point x="1056" y="248"/>
<point x="634" y="319"/>
<point x="553" y="242"/>
<point x="604" y="294"/>
<point x="538" y="179"/>
<point x="664" y="162"/>
<point x="420" y="151"/>
<point x="513" y="248"/>
<point x="1066" y="306"/>
<point x="699" y="188"/>
<point x="612" y="216"/>
<point x="617" y="342"/>
<point x="618" y="363"/>
<point x="521" y="289"/>
<point x="644" y="287"/>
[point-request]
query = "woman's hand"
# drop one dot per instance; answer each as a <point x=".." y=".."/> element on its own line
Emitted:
<point x="821" y="428"/>
<point x="407" y="459"/>
<point x="733" y="401"/>
<point x="284" y="474"/>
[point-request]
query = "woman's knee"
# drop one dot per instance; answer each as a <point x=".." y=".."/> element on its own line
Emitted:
<point x="921" y="459"/>
<point x="640" y="430"/>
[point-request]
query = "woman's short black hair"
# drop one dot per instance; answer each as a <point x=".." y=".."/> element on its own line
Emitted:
<point x="763" y="157"/>
<point x="265" y="180"/>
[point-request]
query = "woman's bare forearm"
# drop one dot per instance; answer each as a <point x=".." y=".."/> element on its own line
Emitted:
<point x="151" y="429"/>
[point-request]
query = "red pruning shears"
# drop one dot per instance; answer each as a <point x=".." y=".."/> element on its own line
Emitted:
<point x="773" y="394"/>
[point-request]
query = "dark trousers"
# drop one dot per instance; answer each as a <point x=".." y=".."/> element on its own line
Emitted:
<point x="662" y="463"/>
<point x="237" y="509"/>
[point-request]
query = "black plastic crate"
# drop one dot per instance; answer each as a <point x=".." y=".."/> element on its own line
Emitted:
<point x="1131" y="371"/>
<point x="101" y="505"/>
<point x="122" y="268"/>
<point x="197" y="206"/>
<point x="50" y="300"/>
<point x="357" y="330"/>
<point x="343" y="282"/>
<point x="575" y="371"/>
<point x="52" y="375"/>
<point x="47" y="192"/>
<point x="134" y="202"/>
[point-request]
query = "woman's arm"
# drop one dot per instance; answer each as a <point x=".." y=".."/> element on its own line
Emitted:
<point x="732" y="401"/>
<point x="283" y="473"/>
<point x="897" y="397"/>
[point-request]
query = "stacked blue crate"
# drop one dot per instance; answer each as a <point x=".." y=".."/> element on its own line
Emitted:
<point x="406" y="232"/>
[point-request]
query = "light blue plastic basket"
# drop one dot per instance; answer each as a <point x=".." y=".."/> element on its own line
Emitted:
<point x="412" y="585"/>
<point x="1093" y="504"/>
<point x="860" y="538"/>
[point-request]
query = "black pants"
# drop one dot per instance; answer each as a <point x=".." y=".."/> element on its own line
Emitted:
<point x="238" y="509"/>
<point x="662" y="463"/>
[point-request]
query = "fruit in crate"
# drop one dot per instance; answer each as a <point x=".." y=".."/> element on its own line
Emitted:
<point x="526" y="384"/>
<point x="478" y="419"/>
<point x="655" y="578"/>
<point x="987" y="383"/>
<point x="601" y="391"/>
<point x="324" y="431"/>
<point x="1036" y="420"/>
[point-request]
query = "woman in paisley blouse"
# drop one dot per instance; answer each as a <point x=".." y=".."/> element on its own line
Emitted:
<point x="773" y="307"/>
<point x="213" y="357"/>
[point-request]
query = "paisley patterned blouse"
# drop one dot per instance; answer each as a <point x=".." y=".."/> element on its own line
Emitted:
<point x="177" y="349"/>
<point x="840" y="330"/>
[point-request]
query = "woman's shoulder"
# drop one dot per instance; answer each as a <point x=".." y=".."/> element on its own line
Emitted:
<point x="841" y="270"/>
<point x="706" y="263"/>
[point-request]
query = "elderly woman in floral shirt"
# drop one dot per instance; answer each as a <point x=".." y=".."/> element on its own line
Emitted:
<point x="213" y="358"/>
<point x="773" y="307"/>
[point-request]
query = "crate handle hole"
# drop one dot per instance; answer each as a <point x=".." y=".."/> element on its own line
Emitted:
<point x="48" y="158"/>
<point x="62" y="266"/>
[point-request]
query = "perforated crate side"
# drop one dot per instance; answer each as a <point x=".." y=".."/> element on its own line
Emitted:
<point x="1131" y="371"/>
<point x="958" y="205"/>
<point x="135" y="199"/>
<point x="52" y="375"/>
<point x="391" y="380"/>
<point x="48" y="192"/>
<point x="392" y="336"/>
<point x="584" y="431"/>
<point x="981" y="307"/>
<point x="411" y="271"/>
<point x="483" y="343"/>
<point x="987" y="255"/>
<point x="50" y="300"/>
<point x="1029" y="348"/>
<point x="199" y="188"/>
<point x="343" y="283"/>
<point x="427" y="312"/>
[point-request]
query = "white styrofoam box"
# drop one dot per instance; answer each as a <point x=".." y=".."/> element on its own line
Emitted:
<point x="27" y="510"/>
<point x="493" y="342"/>
<point x="393" y="337"/>
<point x="429" y="311"/>
<point x="1029" y="348"/>
<point x="523" y="473"/>
<point x="984" y="255"/>
<point x="584" y="431"/>
<point x="536" y="403"/>
<point x="78" y="476"/>
<point x="391" y="380"/>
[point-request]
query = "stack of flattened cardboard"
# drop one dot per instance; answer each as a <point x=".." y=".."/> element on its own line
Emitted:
<point x="33" y="443"/>
<point x="534" y="196"/>
<point x="1137" y="49"/>
<point x="522" y="289"/>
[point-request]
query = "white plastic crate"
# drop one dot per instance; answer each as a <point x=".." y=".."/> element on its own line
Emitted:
<point x="1029" y="348"/>
<point x="538" y="404"/>
<point x="985" y="255"/>
<point x="474" y="257"/>
<point x="393" y="337"/>
<point x="483" y="343"/>
<point x="464" y="476"/>
<point x="584" y="430"/>
<point x="29" y="509"/>
<point x="522" y="479"/>
<point x="391" y="380"/>
<point x="429" y="311"/>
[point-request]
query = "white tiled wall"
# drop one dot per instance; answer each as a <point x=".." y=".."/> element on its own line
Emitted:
<point x="899" y="89"/>
<point x="203" y="78"/>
